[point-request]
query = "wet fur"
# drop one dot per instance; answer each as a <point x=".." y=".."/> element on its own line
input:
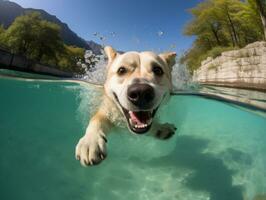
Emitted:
<point x="91" y="148"/>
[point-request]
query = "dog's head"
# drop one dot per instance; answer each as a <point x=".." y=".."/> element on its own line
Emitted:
<point x="138" y="83"/>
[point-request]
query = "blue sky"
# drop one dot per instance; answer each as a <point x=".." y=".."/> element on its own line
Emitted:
<point x="125" y="24"/>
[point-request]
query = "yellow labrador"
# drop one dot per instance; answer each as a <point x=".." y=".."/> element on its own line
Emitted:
<point x="136" y="85"/>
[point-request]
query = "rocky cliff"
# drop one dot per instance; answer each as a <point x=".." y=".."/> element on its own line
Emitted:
<point x="243" y="68"/>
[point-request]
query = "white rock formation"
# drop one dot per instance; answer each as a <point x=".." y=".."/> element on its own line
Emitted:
<point x="244" y="68"/>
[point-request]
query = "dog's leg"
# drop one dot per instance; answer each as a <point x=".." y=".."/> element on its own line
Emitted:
<point x="91" y="148"/>
<point x="163" y="131"/>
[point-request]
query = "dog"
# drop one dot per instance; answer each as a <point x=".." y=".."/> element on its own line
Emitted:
<point x="137" y="84"/>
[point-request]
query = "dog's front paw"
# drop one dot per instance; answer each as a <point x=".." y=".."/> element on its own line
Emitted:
<point x="165" y="131"/>
<point x="91" y="149"/>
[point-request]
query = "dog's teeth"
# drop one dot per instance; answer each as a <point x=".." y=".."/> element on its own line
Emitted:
<point x="138" y="126"/>
<point x="141" y="125"/>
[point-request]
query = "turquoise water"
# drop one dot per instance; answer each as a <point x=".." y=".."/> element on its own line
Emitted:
<point x="218" y="152"/>
<point x="13" y="73"/>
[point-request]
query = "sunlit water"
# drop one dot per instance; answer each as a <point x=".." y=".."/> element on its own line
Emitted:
<point x="218" y="152"/>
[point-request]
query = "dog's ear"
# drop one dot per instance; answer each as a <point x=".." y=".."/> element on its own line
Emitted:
<point x="110" y="53"/>
<point x="169" y="58"/>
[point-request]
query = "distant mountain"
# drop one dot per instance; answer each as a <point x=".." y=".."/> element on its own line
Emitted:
<point x="10" y="10"/>
<point x="97" y="48"/>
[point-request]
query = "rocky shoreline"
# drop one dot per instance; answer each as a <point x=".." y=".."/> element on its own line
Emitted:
<point x="244" y="68"/>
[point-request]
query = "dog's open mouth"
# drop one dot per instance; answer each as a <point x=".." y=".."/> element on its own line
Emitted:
<point x="138" y="121"/>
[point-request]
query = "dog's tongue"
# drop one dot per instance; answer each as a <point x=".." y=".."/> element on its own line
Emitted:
<point x="140" y="118"/>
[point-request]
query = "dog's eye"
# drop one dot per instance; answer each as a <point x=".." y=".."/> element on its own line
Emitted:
<point x="157" y="70"/>
<point x="121" y="71"/>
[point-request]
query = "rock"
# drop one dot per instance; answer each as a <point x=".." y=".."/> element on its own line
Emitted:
<point x="243" y="68"/>
<point x="260" y="197"/>
<point x="258" y="44"/>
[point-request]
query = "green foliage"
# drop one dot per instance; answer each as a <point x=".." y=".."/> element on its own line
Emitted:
<point x="194" y="56"/>
<point x="217" y="51"/>
<point x="2" y="30"/>
<point x="219" y="25"/>
<point x="2" y="35"/>
<point x="69" y="58"/>
<point x="259" y="7"/>
<point x="22" y="33"/>
<point x="36" y="38"/>
<point x="40" y="40"/>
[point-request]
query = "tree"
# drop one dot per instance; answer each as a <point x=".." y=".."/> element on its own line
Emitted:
<point x="20" y="34"/>
<point x="40" y="40"/>
<point x="218" y="25"/>
<point x="262" y="10"/>
<point x="259" y="7"/>
<point x="226" y="8"/>
<point x="2" y="35"/>
<point x="205" y="24"/>
<point x="68" y="59"/>
<point x="47" y="41"/>
<point x="31" y="36"/>
<point x="250" y="28"/>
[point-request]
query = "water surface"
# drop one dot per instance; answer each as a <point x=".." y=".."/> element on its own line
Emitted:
<point x="218" y="152"/>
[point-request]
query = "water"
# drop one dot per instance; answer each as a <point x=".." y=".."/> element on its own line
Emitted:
<point x="218" y="152"/>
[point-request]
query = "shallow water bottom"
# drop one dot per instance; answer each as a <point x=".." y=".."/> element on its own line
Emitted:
<point x="218" y="152"/>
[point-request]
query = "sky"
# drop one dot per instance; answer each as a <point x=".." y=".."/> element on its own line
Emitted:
<point x="124" y="24"/>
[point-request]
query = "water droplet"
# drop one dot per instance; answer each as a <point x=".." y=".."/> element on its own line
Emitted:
<point x="102" y="38"/>
<point x="172" y="46"/>
<point x="113" y="34"/>
<point x="96" y="34"/>
<point x="160" y="33"/>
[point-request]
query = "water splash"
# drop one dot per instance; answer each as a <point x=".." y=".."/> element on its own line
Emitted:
<point x="181" y="77"/>
<point x="98" y="74"/>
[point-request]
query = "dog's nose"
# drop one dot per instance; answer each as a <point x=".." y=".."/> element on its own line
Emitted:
<point x="140" y="94"/>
